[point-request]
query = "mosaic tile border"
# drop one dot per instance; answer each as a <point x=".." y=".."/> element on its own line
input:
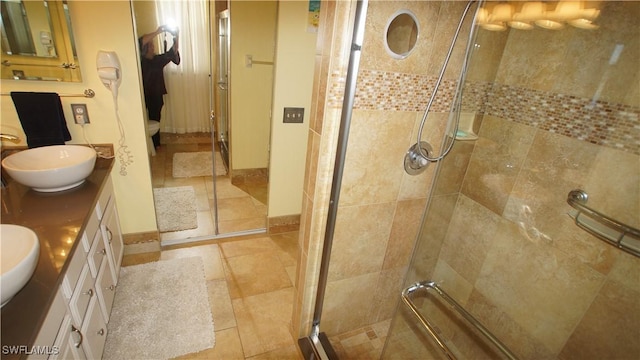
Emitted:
<point x="598" y="122"/>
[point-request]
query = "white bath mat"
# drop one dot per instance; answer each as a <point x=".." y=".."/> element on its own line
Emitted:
<point x="175" y="208"/>
<point x="190" y="164"/>
<point x="161" y="310"/>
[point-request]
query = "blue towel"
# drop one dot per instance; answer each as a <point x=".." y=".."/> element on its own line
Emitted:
<point x="41" y="117"/>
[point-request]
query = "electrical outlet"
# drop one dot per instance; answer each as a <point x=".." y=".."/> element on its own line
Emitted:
<point x="80" y="113"/>
<point x="293" y="115"/>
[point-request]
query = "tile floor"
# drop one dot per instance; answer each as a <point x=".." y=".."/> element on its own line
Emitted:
<point x="249" y="278"/>
<point x="250" y="283"/>
<point x="240" y="208"/>
<point x="251" y="294"/>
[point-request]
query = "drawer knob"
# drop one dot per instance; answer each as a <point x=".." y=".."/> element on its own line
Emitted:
<point x="101" y="332"/>
<point x="75" y="330"/>
<point x="103" y="251"/>
<point x="89" y="292"/>
<point x="112" y="287"/>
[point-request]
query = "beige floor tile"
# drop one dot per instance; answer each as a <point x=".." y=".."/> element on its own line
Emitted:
<point x="221" y="307"/>
<point x="254" y="274"/>
<point x="246" y="247"/>
<point x="236" y="209"/>
<point x="233" y="226"/>
<point x="285" y="353"/>
<point x="264" y="321"/>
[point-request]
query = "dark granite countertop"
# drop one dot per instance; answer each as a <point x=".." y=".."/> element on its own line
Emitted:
<point x="58" y="219"/>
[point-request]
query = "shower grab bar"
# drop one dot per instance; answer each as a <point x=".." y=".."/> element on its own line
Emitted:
<point x="426" y="285"/>
<point x="596" y="220"/>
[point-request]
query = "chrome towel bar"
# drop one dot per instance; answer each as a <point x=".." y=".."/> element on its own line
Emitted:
<point x="88" y="93"/>
<point x="430" y="285"/>
<point x="622" y="236"/>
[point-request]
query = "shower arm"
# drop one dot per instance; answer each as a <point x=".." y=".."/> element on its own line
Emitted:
<point x="458" y="97"/>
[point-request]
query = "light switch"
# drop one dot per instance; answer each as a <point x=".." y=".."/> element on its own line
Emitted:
<point x="293" y="115"/>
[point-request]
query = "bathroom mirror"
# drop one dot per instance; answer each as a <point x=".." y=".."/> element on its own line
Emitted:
<point x="37" y="41"/>
<point x="401" y="34"/>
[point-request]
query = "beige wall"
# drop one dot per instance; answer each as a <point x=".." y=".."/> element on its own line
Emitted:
<point x="253" y="31"/>
<point x="293" y="82"/>
<point x="107" y="25"/>
<point x="103" y="25"/>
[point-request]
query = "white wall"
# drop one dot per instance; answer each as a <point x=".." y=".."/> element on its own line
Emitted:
<point x="103" y="25"/>
<point x="293" y="82"/>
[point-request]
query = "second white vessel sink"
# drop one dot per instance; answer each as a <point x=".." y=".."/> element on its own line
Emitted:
<point x="19" y="253"/>
<point x="51" y="168"/>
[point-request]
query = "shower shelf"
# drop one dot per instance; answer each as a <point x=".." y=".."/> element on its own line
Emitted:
<point x="434" y="333"/>
<point x="622" y="236"/>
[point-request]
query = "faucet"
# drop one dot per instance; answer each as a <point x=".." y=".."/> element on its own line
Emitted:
<point x="10" y="138"/>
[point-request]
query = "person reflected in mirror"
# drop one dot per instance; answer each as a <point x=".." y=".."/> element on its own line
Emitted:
<point x="152" y="65"/>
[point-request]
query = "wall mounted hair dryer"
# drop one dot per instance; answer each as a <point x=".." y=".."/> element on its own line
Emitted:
<point x="109" y="72"/>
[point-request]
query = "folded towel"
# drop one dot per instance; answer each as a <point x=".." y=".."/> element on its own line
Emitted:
<point x="41" y="117"/>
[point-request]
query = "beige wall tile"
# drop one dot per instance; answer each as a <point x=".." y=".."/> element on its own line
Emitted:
<point x="373" y="165"/>
<point x="360" y="239"/>
<point x="542" y="289"/>
<point x="610" y="328"/>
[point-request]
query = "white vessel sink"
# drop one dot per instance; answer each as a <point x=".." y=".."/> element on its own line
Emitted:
<point x="19" y="253"/>
<point x="51" y="168"/>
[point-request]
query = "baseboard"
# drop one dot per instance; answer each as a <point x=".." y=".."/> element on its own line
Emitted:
<point x="141" y="237"/>
<point x="282" y="224"/>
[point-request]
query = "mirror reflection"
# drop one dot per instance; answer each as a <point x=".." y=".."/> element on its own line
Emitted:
<point x="37" y="41"/>
<point x="214" y="129"/>
<point x="401" y="34"/>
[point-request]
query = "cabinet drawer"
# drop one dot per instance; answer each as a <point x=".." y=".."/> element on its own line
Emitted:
<point x="105" y="289"/>
<point x="97" y="254"/>
<point x="105" y="197"/>
<point x="83" y="293"/>
<point x="94" y="330"/>
<point x="90" y="230"/>
<point x="70" y="280"/>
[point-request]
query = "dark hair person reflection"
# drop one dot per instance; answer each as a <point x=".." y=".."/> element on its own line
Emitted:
<point x="153" y="72"/>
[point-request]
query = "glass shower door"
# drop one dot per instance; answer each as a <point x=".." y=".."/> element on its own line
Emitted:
<point x="499" y="235"/>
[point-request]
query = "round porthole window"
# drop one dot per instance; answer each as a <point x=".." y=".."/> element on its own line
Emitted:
<point x="401" y="34"/>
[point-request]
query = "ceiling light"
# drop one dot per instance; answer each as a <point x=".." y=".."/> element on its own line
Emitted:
<point x="583" y="24"/>
<point x="549" y="24"/>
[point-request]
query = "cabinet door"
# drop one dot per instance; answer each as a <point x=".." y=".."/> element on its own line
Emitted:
<point x="94" y="330"/>
<point x="68" y="342"/>
<point x="113" y="238"/>
<point x="105" y="289"/>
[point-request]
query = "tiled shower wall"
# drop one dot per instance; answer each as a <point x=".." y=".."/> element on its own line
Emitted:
<point x="498" y="223"/>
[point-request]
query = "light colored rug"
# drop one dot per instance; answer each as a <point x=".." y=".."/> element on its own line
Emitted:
<point x="175" y="208"/>
<point x="190" y="164"/>
<point x="161" y="310"/>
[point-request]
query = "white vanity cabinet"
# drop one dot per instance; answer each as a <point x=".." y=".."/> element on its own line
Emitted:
<point x="88" y="287"/>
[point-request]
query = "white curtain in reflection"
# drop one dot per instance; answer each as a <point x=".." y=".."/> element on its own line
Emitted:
<point x="187" y="106"/>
